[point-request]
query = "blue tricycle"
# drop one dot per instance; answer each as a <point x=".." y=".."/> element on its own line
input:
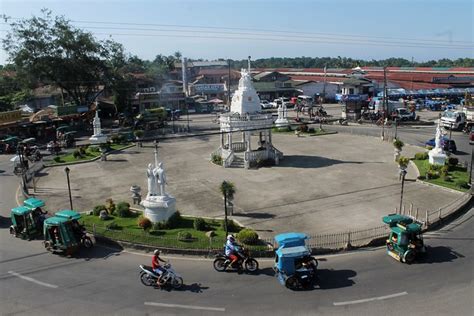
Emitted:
<point x="294" y="266"/>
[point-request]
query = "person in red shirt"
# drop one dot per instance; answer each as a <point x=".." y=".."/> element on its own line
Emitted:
<point x="155" y="264"/>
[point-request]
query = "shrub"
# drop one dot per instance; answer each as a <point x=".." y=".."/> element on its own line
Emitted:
<point x="448" y="178"/>
<point x="185" y="236"/>
<point x="431" y="174"/>
<point x="174" y="221"/>
<point x="139" y="133"/>
<point x="216" y="159"/>
<point x="398" y="144"/>
<point x="144" y="223"/>
<point x="98" y="208"/>
<point x="57" y="159"/>
<point x="462" y="184"/>
<point x="403" y="161"/>
<point x="112" y="225"/>
<point x="247" y="236"/>
<point x="110" y="206"/>
<point x="232" y="226"/>
<point x="311" y="130"/>
<point x="429" y="147"/>
<point x="123" y="209"/>
<point x="302" y="128"/>
<point x="421" y="156"/>
<point x="82" y="150"/>
<point x="94" y="149"/>
<point x="200" y="224"/>
<point x="158" y="226"/>
<point x="77" y="154"/>
<point x="453" y="161"/>
<point x="435" y="168"/>
<point x="444" y="171"/>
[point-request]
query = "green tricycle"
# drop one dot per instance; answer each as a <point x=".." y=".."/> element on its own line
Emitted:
<point x="405" y="242"/>
<point x="27" y="220"/>
<point x="63" y="233"/>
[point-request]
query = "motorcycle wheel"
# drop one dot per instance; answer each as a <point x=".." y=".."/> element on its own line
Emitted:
<point x="87" y="242"/>
<point x="146" y="279"/>
<point x="177" y="282"/>
<point x="292" y="283"/>
<point x="251" y="265"/>
<point x="219" y="264"/>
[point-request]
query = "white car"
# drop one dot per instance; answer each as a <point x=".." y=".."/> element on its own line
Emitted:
<point x="265" y="104"/>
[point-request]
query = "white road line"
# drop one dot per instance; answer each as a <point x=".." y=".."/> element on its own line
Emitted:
<point x="32" y="280"/>
<point x="365" y="300"/>
<point x="215" y="309"/>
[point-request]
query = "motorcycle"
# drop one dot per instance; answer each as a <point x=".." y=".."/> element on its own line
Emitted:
<point x="148" y="277"/>
<point x="245" y="261"/>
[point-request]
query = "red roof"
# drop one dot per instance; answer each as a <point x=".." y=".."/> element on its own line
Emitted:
<point x="317" y="78"/>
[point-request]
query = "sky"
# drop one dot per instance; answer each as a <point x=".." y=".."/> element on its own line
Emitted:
<point x="211" y="29"/>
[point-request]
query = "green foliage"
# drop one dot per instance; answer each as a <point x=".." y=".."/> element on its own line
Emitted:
<point x="398" y="144"/>
<point x="185" y="236"/>
<point x="302" y="128"/>
<point x="452" y="161"/>
<point x="174" y="221"/>
<point x="110" y="206"/>
<point x="57" y="159"/>
<point x="118" y="139"/>
<point x="144" y="223"/>
<point x="139" y="133"/>
<point x="77" y="154"/>
<point x="98" y="208"/>
<point x="94" y="149"/>
<point x="248" y="236"/>
<point x="462" y="184"/>
<point x="200" y="224"/>
<point x="112" y="225"/>
<point x="444" y="171"/>
<point x="432" y="174"/>
<point x="216" y="159"/>
<point x="227" y="189"/>
<point x="421" y="156"/>
<point x="123" y="209"/>
<point x="403" y="161"/>
<point x="311" y="130"/>
<point x="231" y="226"/>
<point x="428" y="147"/>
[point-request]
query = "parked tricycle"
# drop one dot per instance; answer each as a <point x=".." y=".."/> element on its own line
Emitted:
<point x="405" y="242"/>
<point x="294" y="266"/>
<point x="27" y="220"/>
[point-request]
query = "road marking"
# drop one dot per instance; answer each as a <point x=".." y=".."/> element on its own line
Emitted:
<point x="32" y="280"/>
<point x="215" y="309"/>
<point x="365" y="300"/>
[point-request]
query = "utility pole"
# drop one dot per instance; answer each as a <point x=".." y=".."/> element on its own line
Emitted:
<point x="403" y="174"/>
<point x="228" y="84"/>
<point x="384" y="104"/>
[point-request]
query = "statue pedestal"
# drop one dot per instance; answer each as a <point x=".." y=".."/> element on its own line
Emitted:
<point x="159" y="208"/>
<point x="282" y="122"/>
<point x="98" y="139"/>
<point x="437" y="157"/>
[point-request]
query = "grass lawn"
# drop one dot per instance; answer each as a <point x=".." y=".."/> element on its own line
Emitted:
<point x="90" y="154"/>
<point x="459" y="174"/>
<point x="128" y="230"/>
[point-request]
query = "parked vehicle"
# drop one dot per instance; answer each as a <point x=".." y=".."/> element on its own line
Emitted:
<point x="294" y="266"/>
<point x="27" y="220"/>
<point x="405" y="242"/>
<point x="169" y="278"/>
<point x="265" y="104"/>
<point x="78" y="229"/>
<point x="245" y="262"/>
<point x="403" y="114"/>
<point x="446" y="143"/>
<point x="455" y="120"/>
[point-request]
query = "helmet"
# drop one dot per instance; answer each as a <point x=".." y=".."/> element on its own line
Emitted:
<point x="230" y="238"/>
<point x="156" y="252"/>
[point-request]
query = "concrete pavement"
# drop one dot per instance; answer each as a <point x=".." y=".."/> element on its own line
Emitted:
<point x="325" y="184"/>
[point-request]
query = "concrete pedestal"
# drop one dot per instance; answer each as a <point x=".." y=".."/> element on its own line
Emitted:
<point x="437" y="157"/>
<point x="98" y="139"/>
<point x="159" y="208"/>
<point x="281" y="123"/>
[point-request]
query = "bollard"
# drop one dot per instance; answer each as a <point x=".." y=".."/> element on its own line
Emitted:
<point x="348" y="244"/>
<point x="416" y="214"/>
<point x="426" y="219"/>
<point x="439" y="213"/>
<point x="411" y="209"/>
<point x="403" y="208"/>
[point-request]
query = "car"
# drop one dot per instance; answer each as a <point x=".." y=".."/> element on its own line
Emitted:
<point x="448" y="144"/>
<point x="265" y="104"/>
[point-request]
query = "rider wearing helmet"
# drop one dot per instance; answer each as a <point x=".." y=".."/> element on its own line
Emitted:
<point x="230" y="250"/>
<point x="155" y="264"/>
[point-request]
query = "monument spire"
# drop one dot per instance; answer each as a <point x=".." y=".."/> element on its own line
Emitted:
<point x="249" y="65"/>
<point x="156" y="154"/>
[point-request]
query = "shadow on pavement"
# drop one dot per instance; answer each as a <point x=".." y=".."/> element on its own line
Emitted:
<point x="256" y="215"/>
<point x="98" y="252"/>
<point x="194" y="288"/>
<point x="439" y="254"/>
<point x="5" y="222"/>
<point x="334" y="279"/>
<point x="116" y="160"/>
<point x="264" y="271"/>
<point x="300" y="161"/>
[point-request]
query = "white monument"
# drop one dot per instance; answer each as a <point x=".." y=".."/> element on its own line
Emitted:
<point x="437" y="155"/>
<point x="159" y="205"/>
<point x="97" y="138"/>
<point x="282" y="120"/>
<point x="245" y="117"/>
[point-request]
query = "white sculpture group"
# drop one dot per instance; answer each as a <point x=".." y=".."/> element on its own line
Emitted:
<point x="156" y="180"/>
<point x="437" y="155"/>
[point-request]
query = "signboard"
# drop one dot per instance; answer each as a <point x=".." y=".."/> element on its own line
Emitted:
<point x="209" y="88"/>
<point x="10" y="116"/>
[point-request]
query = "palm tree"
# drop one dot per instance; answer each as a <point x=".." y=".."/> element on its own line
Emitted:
<point x="227" y="189"/>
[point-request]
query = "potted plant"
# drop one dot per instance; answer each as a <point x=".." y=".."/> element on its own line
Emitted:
<point x="398" y="144"/>
<point x="138" y="136"/>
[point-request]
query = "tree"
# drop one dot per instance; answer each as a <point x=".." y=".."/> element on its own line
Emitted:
<point x="49" y="49"/>
<point x="227" y="189"/>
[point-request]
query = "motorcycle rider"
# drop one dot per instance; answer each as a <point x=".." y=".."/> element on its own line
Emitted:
<point x="155" y="264"/>
<point x="231" y="250"/>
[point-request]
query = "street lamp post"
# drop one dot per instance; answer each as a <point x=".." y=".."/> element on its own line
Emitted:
<point x="68" y="186"/>
<point x="23" y="168"/>
<point x="403" y="173"/>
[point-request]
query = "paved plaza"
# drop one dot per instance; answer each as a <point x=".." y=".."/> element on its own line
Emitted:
<point x="330" y="183"/>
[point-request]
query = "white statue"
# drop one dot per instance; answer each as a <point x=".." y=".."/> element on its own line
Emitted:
<point x="96" y="124"/>
<point x="160" y="175"/>
<point x="439" y="136"/>
<point x="152" y="184"/>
